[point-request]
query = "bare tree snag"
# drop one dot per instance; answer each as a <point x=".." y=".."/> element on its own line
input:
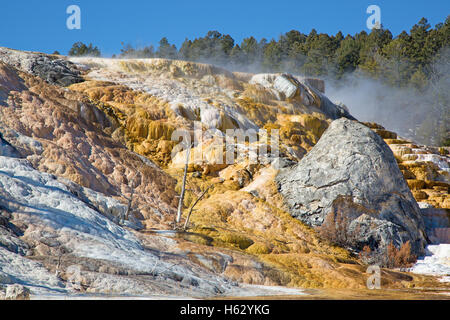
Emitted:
<point x="183" y="188"/>
<point x="192" y="207"/>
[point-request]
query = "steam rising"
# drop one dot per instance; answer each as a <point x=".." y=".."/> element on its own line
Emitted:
<point x="412" y="113"/>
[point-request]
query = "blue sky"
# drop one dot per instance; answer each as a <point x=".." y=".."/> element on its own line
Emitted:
<point x="41" y="25"/>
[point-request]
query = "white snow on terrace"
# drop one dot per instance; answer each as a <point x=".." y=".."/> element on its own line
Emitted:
<point x="46" y="204"/>
<point x="17" y="269"/>
<point x="175" y="92"/>
<point x="442" y="162"/>
<point x="436" y="262"/>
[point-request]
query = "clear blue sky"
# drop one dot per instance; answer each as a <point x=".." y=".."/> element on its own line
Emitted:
<point x="41" y="25"/>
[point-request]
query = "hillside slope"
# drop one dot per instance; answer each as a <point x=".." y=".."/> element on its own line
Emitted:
<point x="95" y="161"/>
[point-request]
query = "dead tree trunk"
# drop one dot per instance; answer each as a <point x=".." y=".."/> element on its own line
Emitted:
<point x="192" y="208"/>
<point x="130" y="203"/>
<point x="183" y="188"/>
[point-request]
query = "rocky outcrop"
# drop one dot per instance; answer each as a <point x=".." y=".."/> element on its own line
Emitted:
<point x="351" y="175"/>
<point x="60" y="72"/>
<point x="51" y="69"/>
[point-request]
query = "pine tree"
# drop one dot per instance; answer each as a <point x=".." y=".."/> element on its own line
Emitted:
<point x="320" y="54"/>
<point x="396" y="67"/>
<point x="347" y="56"/>
<point x="79" y="49"/>
<point x="166" y="50"/>
<point x="273" y="56"/>
<point x="250" y="50"/>
<point x="417" y="50"/>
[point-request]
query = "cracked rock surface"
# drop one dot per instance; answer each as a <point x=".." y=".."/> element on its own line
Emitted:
<point x="353" y="171"/>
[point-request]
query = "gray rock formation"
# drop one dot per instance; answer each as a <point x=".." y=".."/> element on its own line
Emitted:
<point x="58" y="71"/>
<point x="352" y="173"/>
<point x="53" y="70"/>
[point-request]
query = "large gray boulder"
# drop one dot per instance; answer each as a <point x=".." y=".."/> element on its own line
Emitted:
<point x="352" y="174"/>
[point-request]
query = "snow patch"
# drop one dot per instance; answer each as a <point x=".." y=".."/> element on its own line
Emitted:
<point x="17" y="269"/>
<point x="436" y="262"/>
<point x="442" y="162"/>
